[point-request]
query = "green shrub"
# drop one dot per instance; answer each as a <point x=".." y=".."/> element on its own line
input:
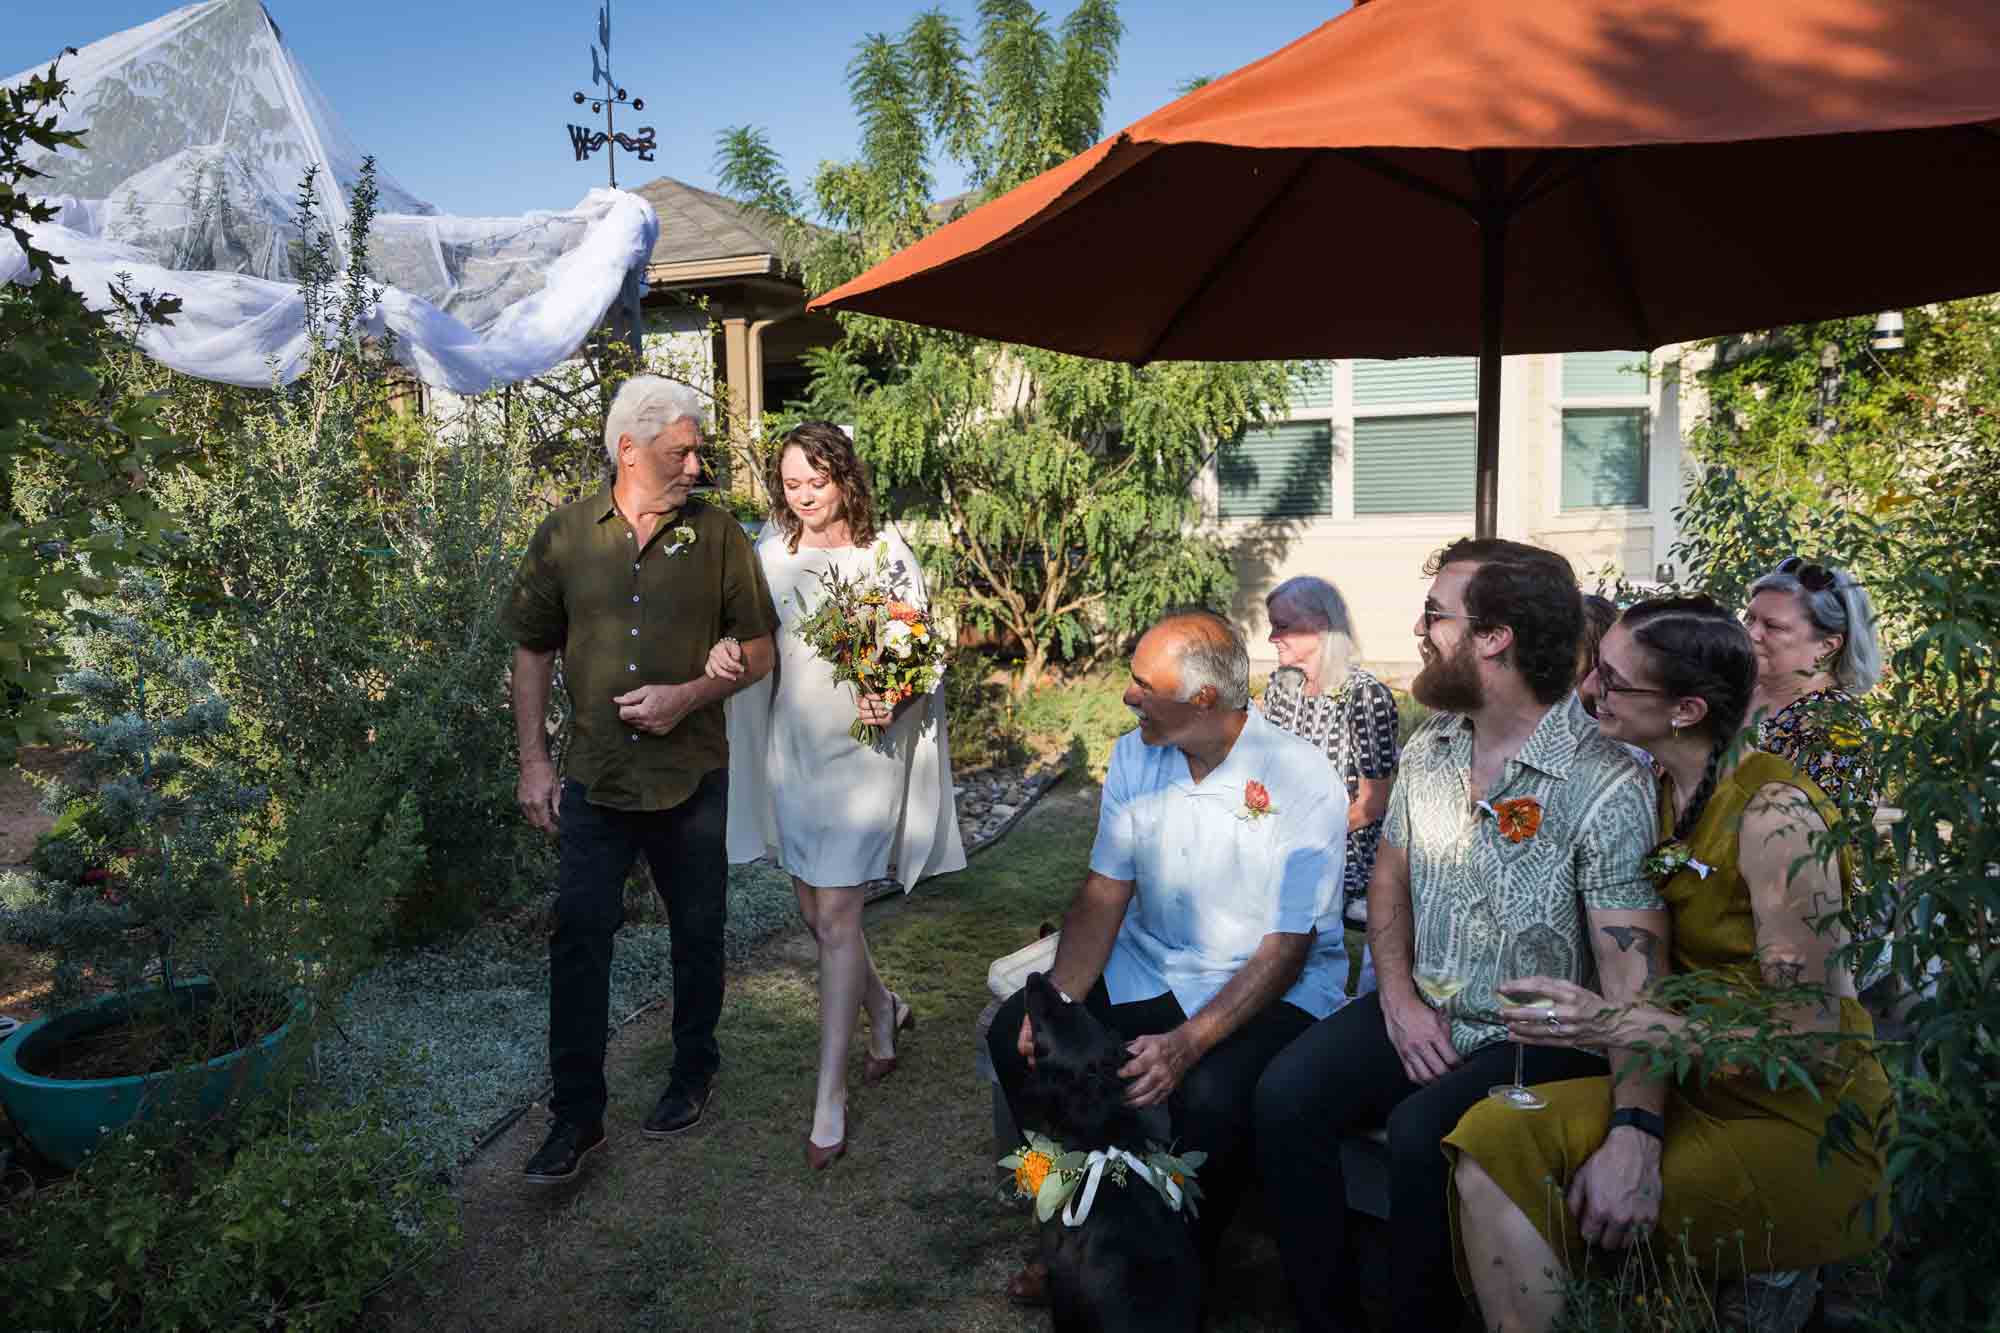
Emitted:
<point x="341" y="563"/>
<point x="292" y="1230"/>
<point x="75" y="445"/>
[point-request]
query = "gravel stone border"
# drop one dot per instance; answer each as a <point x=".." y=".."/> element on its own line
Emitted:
<point x="450" y="1037"/>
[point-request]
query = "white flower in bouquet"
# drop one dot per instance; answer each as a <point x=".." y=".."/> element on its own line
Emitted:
<point x="896" y="639"/>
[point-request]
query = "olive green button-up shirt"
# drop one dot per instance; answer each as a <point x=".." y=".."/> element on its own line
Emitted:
<point x="624" y="614"/>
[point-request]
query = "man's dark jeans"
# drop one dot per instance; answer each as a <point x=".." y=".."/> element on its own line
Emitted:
<point x="1210" y="1109"/>
<point x="1342" y="1077"/>
<point x="686" y="849"/>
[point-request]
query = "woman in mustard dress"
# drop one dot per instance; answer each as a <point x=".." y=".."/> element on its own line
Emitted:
<point x="1734" y="1168"/>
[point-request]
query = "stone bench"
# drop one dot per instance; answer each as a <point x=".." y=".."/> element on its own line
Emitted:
<point x="1763" y="1303"/>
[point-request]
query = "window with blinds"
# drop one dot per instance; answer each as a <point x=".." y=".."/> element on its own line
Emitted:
<point x="1281" y="471"/>
<point x="1422" y="379"/>
<point x="1604" y="447"/>
<point x="1415" y="462"/>
<point x="1604" y="374"/>
<point x="1312" y="386"/>
<point x="1604" y="457"/>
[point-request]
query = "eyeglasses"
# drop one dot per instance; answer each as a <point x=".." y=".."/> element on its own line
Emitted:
<point x="1613" y="685"/>
<point x="1816" y="578"/>
<point x="1432" y="617"/>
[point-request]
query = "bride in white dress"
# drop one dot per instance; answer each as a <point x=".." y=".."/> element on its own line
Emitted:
<point x="835" y="813"/>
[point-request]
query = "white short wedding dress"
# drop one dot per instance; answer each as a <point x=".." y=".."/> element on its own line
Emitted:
<point x="829" y="809"/>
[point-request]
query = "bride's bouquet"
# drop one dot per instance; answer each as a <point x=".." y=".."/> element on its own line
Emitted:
<point x="874" y="641"/>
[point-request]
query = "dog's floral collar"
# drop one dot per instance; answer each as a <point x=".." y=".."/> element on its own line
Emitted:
<point x="1256" y="801"/>
<point x="1054" y="1177"/>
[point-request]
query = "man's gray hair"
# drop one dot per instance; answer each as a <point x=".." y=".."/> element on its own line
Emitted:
<point x="1322" y="602"/>
<point x="1842" y="609"/>
<point x="1219" y="659"/>
<point x="645" y="406"/>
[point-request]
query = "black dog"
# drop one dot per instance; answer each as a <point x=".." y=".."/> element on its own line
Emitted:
<point x="1132" y="1264"/>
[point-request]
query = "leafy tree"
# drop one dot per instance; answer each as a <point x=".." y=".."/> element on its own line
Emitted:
<point x="75" y="451"/>
<point x="1062" y="483"/>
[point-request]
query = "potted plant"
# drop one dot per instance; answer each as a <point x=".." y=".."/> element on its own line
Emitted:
<point x="175" y="981"/>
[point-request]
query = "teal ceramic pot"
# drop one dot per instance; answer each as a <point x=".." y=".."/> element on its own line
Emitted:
<point x="63" y="1118"/>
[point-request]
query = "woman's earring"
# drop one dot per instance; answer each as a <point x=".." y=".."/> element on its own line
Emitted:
<point x="1676" y="724"/>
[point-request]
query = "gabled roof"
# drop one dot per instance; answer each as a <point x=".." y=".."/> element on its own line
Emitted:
<point x="704" y="232"/>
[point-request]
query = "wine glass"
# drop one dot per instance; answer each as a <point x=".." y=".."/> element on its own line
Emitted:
<point x="1516" y="1094"/>
<point x="1438" y="987"/>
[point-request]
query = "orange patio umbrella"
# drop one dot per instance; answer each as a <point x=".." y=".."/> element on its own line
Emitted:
<point x="1450" y="177"/>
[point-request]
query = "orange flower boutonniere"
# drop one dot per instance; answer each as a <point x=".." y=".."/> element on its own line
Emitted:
<point x="1519" y="818"/>
<point x="1256" y="801"/>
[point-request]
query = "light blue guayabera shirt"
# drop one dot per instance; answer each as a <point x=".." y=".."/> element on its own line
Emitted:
<point x="1210" y="884"/>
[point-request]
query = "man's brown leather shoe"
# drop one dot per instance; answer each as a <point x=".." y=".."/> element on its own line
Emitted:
<point x="1030" y="1286"/>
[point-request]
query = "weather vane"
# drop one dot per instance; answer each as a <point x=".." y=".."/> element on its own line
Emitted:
<point x="585" y="141"/>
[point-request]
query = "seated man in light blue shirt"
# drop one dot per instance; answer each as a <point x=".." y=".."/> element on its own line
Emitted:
<point x="1207" y="930"/>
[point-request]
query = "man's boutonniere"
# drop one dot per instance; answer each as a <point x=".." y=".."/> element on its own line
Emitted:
<point x="1670" y="858"/>
<point x="683" y="538"/>
<point x="1256" y="801"/>
<point x="1518" y="818"/>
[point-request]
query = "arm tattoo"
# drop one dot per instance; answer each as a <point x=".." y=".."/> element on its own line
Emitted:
<point x="1628" y="938"/>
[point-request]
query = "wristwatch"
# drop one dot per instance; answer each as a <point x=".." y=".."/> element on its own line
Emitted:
<point x="1639" y="1118"/>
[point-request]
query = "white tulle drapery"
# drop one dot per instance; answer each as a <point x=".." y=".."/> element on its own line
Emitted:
<point x="199" y="129"/>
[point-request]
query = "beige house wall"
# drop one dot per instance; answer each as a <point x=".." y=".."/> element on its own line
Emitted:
<point x="1377" y="560"/>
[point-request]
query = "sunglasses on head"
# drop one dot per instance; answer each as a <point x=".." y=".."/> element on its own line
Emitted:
<point x="1817" y="578"/>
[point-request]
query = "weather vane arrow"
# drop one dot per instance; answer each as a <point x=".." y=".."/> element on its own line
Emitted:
<point x="583" y="140"/>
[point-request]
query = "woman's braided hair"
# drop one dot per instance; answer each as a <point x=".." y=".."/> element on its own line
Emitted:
<point x="1698" y="650"/>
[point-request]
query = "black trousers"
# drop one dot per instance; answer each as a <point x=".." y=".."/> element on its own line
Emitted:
<point x="1210" y="1110"/>
<point x="685" y="847"/>
<point x="1344" y="1076"/>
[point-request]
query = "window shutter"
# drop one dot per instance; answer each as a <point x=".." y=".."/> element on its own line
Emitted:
<point x="1312" y="386"/>
<point x="1603" y="457"/>
<point x="1424" y="379"/>
<point x="1415" y="465"/>
<point x="1282" y="471"/>
<point x="1604" y="374"/>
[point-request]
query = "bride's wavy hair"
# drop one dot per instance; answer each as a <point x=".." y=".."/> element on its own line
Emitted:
<point x="828" y="450"/>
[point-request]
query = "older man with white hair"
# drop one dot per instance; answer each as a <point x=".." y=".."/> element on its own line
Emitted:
<point x="1208" y="927"/>
<point x="631" y="586"/>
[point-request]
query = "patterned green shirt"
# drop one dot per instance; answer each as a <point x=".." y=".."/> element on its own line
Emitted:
<point x="1487" y="907"/>
<point x="624" y="614"/>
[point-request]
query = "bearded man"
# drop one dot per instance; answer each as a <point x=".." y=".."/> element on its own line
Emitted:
<point x="1511" y="847"/>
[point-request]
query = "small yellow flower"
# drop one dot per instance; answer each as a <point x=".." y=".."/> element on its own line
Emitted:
<point x="1032" y="1171"/>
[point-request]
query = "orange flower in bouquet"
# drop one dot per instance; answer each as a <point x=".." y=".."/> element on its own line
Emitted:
<point x="876" y="642"/>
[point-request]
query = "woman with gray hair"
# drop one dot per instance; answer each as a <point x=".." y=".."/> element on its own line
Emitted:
<point x="1319" y="695"/>
<point x="1813" y="631"/>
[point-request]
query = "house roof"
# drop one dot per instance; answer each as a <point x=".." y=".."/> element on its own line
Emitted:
<point x="704" y="232"/>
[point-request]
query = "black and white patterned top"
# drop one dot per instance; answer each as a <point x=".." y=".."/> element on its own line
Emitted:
<point x="1356" y="727"/>
<point x="1824" y="735"/>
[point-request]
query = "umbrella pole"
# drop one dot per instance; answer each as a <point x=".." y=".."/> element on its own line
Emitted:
<point x="1492" y="297"/>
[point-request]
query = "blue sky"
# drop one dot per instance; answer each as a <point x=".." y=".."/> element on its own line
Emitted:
<point x="465" y="104"/>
